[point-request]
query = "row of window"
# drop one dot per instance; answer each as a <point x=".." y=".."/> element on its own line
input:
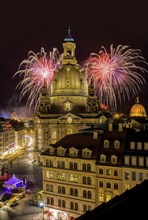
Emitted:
<point x="134" y="176"/>
<point x="113" y="159"/>
<point x="73" y="152"/>
<point x="72" y="191"/>
<point x="107" y="172"/>
<point x="72" y="178"/>
<point x="116" y="144"/>
<point x="108" y="185"/>
<point x="72" y="205"/>
<point x="72" y="165"/>
<point x="138" y="145"/>
<point x="140" y="161"/>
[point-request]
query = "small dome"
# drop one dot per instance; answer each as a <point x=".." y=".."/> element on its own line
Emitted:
<point x="138" y="110"/>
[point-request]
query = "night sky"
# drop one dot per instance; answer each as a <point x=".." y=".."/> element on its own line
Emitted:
<point x="30" y="25"/>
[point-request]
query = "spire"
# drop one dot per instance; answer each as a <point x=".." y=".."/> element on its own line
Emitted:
<point x="137" y="99"/>
<point x="69" y="37"/>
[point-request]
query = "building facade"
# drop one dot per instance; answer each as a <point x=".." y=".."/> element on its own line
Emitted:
<point x="83" y="170"/>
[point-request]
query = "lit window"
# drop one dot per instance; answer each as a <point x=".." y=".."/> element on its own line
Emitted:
<point x="127" y="186"/>
<point x="47" y="174"/>
<point x="132" y="145"/>
<point x="106" y="144"/>
<point x="126" y="160"/>
<point x="108" y="197"/>
<point x="141" y="161"/>
<point x="134" y="161"/>
<point x="102" y="158"/>
<point x="116" y="144"/>
<point x="61" y="176"/>
<point x="86" y="153"/>
<point x="139" y="146"/>
<point x="61" y="151"/>
<point x="53" y="135"/>
<point x="101" y="197"/>
<point x="73" y="152"/>
<point x="73" y="178"/>
<point x="146" y="146"/>
<point x="113" y="159"/>
<point x="51" y="150"/>
<point x="51" y="175"/>
<point x="67" y="106"/>
<point x="108" y="172"/>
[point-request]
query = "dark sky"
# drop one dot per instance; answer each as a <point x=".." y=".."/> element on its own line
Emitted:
<point x="30" y="25"/>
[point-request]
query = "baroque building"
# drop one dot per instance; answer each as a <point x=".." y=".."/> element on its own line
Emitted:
<point x="70" y="104"/>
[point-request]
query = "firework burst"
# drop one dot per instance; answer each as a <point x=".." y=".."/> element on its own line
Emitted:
<point x="116" y="75"/>
<point x="37" y="70"/>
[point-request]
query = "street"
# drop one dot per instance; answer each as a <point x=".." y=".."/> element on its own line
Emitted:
<point x="25" y="210"/>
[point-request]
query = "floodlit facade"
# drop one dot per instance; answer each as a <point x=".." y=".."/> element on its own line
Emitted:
<point x="70" y="104"/>
<point x="83" y="170"/>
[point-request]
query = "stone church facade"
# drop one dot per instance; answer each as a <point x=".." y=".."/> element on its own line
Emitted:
<point x="70" y="104"/>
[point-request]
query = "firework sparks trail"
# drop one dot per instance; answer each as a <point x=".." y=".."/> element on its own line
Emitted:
<point x="37" y="70"/>
<point x="116" y="75"/>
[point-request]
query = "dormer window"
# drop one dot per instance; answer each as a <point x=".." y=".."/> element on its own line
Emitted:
<point x="86" y="153"/>
<point x="73" y="152"/>
<point x="106" y="144"/>
<point x="51" y="150"/>
<point x="145" y="145"/>
<point x="102" y="158"/>
<point x="139" y="145"/>
<point x="113" y="159"/>
<point x="61" y="151"/>
<point x="116" y="144"/>
<point x="132" y="145"/>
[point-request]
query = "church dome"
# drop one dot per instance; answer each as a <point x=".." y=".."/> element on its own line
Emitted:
<point x="69" y="80"/>
<point x="69" y="87"/>
<point x="137" y="110"/>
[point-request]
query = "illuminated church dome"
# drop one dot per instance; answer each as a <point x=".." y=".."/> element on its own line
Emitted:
<point x="137" y="110"/>
<point x="69" y="87"/>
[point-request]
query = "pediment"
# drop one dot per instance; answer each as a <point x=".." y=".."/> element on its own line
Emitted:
<point x="69" y="118"/>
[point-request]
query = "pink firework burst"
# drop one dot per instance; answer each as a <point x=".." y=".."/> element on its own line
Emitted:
<point x="37" y="70"/>
<point x="117" y="74"/>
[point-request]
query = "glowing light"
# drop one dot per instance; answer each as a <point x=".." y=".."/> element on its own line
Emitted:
<point x="116" y="75"/>
<point x="37" y="70"/>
